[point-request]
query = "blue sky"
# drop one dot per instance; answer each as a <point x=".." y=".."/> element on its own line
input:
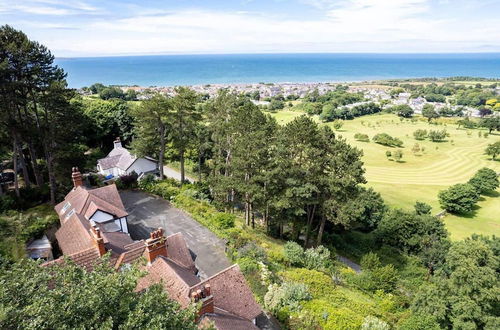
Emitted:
<point x="126" y="27"/>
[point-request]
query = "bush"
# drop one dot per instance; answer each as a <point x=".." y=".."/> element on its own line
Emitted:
<point x="317" y="258"/>
<point x="294" y="254"/>
<point x="337" y="124"/>
<point x="7" y="202"/>
<point x="319" y="284"/>
<point x="387" y="140"/>
<point x="370" y="261"/>
<point x="334" y="317"/>
<point x="223" y="220"/>
<point x="128" y="181"/>
<point x="485" y="180"/>
<point x="422" y="208"/>
<point x="362" y="137"/>
<point x="420" y="134"/>
<point x="287" y="295"/>
<point x="459" y="198"/>
<point x="252" y="251"/>
<point x="373" y="323"/>
<point x="397" y="154"/>
<point x="438" y="136"/>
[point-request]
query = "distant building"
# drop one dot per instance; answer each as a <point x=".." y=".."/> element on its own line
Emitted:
<point x="121" y="162"/>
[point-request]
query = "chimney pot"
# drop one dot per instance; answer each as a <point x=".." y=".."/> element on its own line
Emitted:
<point x="156" y="245"/>
<point x="76" y="176"/>
<point x="207" y="290"/>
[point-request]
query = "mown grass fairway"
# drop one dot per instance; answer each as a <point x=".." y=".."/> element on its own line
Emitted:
<point x="420" y="176"/>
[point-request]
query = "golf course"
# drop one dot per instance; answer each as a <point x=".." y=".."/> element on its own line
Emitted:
<point x="425" y="170"/>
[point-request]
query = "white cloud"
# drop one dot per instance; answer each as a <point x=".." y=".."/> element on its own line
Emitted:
<point x="345" y="26"/>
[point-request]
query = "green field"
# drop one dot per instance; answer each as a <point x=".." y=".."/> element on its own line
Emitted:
<point x="421" y="176"/>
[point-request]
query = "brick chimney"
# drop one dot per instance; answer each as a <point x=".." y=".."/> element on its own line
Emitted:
<point x="98" y="239"/>
<point x="156" y="245"/>
<point x="203" y="295"/>
<point x="76" y="176"/>
<point x="117" y="143"/>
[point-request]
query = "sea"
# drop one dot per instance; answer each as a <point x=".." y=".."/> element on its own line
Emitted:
<point x="175" y="70"/>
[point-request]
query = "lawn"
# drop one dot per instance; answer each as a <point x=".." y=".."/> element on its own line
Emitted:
<point x="420" y="176"/>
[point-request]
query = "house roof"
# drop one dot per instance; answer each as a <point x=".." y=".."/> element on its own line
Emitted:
<point x="117" y="241"/>
<point x="87" y="202"/>
<point x="226" y="321"/>
<point x="178" y="251"/>
<point x="231" y="293"/>
<point x="74" y="236"/>
<point x="85" y="258"/>
<point x="175" y="279"/>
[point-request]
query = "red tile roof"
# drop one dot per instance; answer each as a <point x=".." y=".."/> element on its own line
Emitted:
<point x="232" y="293"/>
<point x="86" y="258"/>
<point x="74" y="236"/>
<point x="226" y="321"/>
<point x="178" y="251"/>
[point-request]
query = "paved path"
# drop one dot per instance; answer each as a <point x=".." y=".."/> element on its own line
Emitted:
<point x="174" y="174"/>
<point x="349" y="263"/>
<point x="148" y="212"/>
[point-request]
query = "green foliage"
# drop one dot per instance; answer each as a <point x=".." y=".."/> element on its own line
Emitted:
<point x="403" y="110"/>
<point x="397" y="155"/>
<point x="485" y="180"/>
<point x="463" y="294"/>
<point x="429" y="112"/>
<point x="294" y="253"/>
<point x="387" y="140"/>
<point x="459" y="198"/>
<point x="337" y="124"/>
<point x="373" y="323"/>
<point x="438" y="136"/>
<point x="332" y="317"/>
<point x="287" y="295"/>
<point x="419" y="322"/>
<point x="411" y="232"/>
<point x="319" y="284"/>
<point x="17" y="228"/>
<point x="223" y="220"/>
<point x="276" y="105"/>
<point x="128" y="181"/>
<point x="422" y="208"/>
<point x="420" y="134"/>
<point x="67" y="296"/>
<point x="111" y="93"/>
<point x="370" y="261"/>
<point x="362" y="137"/>
<point x="493" y="150"/>
<point x="374" y="276"/>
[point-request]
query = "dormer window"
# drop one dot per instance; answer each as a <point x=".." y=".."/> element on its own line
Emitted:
<point x="65" y="207"/>
<point x="70" y="213"/>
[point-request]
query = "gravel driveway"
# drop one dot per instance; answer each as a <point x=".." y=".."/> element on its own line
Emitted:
<point x="148" y="212"/>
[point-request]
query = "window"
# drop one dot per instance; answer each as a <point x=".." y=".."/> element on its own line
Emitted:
<point x="70" y="213"/>
<point x="65" y="207"/>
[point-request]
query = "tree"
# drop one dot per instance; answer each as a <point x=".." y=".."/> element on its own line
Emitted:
<point x="485" y="180"/>
<point x="35" y="108"/>
<point x="112" y="93"/>
<point x="387" y="140"/>
<point x="490" y="123"/>
<point x="152" y="124"/>
<point x="404" y="111"/>
<point x="397" y="154"/>
<point x="459" y="198"/>
<point x="96" y="88"/>
<point x="185" y="117"/>
<point x="67" y="296"/>
<point x="463" y="293"/>
<point x="493" y="150"/>
<point x="438" y="136"/>
<point x="429" y="112"/>
<point x="422" y="208"/>
<point x="337" y="124"/>
<point x="420" y="134"/>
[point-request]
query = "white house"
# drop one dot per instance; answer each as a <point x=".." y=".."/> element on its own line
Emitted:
<point x="121" y="162"/>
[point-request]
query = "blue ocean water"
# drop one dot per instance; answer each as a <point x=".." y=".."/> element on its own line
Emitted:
<point x="168" y="70"/>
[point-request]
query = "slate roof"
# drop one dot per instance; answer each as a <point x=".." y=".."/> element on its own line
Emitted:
<point x="118" y="157"/>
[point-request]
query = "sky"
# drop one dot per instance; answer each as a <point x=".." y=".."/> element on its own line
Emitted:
<point x="125" y="27"/>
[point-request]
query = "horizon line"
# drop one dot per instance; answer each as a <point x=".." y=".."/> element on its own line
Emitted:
<point x="282" y="53"/>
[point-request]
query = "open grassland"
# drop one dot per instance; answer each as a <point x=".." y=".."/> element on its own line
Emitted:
<point x="420" y="176"/>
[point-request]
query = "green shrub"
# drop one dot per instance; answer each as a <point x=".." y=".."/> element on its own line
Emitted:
<point x="248" y="265"/>
<point x="223" y="220"/>
<point x="253" y="251"/>
<point x="320" y="285"/>
<point x="387" y="140"/>
<point x="317" y="258"/>
<point x="333" y="317"/>
<point x="438" y="136"/>
<point x="420" y="134"/>
<point x="362" y="137"/>
<point x="294" y="253"/>
<point x="370" y="261"/>
<point x="373" y="323"/>
<point x="418" y="322"/>
<point x="288" y="294"/>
